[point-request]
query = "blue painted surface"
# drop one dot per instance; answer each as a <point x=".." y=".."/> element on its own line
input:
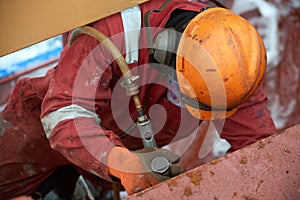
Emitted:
<point x="30" y="57"/>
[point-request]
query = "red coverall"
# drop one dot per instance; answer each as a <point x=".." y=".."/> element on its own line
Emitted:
<point x="88" y="81"/>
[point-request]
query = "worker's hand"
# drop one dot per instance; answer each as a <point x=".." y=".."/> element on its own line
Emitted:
<point x="134" y="168"/>
<point x="148" y="154"/>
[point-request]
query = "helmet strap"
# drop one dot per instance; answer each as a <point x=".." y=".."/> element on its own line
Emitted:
<point x="198" y="105"/>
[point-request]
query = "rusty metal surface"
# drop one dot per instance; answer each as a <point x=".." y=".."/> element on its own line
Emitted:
<point x="268" y="169"/>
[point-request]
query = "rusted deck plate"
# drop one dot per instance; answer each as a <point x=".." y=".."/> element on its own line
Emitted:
<point x="268" y="169"/>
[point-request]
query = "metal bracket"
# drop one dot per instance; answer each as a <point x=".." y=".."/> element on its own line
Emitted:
<point x="146" y="131"/>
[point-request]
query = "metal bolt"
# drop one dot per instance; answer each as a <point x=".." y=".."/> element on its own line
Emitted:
<point x="160" y="164"/>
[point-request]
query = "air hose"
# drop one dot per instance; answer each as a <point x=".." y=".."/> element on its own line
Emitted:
<point x="128" y="83"/>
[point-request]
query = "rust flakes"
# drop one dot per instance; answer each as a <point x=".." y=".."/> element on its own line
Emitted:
<point x="213" y="161"/>
<point x="261" y="145"/>
<point x="286" y="149"/>
<point x="243" y="160"/>
<point x="234" y="194"/>
<point x="195" y="177"/>
<point x="188" y="191"/>
<point x="248" y="198"/>
<point x="172" y="183"/>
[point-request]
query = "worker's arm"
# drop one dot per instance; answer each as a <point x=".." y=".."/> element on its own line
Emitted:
<point x="79" y="87"/>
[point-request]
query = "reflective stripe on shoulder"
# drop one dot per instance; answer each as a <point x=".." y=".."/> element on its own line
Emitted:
<point x="131" y="19"/>
<point x="73" y="111"/>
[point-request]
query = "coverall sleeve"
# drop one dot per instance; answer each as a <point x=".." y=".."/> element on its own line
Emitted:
<point x="252" y="122"/>
<point x="79" y="88"/>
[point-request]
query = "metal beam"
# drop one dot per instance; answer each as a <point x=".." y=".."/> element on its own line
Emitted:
<point x="268" y="169"/>
<point x="24" y="23"/>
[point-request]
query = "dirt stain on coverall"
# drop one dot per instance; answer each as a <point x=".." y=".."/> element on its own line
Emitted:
<point x="28" y="169"/>
<point x="3" y="126"/>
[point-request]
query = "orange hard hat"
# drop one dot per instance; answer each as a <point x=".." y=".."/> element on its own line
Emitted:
<point x="221" y="60"/>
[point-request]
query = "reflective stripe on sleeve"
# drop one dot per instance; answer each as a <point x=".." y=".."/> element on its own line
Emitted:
<point x="73" y="111"/>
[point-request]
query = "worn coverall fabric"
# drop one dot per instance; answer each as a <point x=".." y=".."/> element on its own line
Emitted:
<point x="89" y="80"/>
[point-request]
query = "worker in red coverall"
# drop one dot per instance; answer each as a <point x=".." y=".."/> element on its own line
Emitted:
<point x="79" y="115"/>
